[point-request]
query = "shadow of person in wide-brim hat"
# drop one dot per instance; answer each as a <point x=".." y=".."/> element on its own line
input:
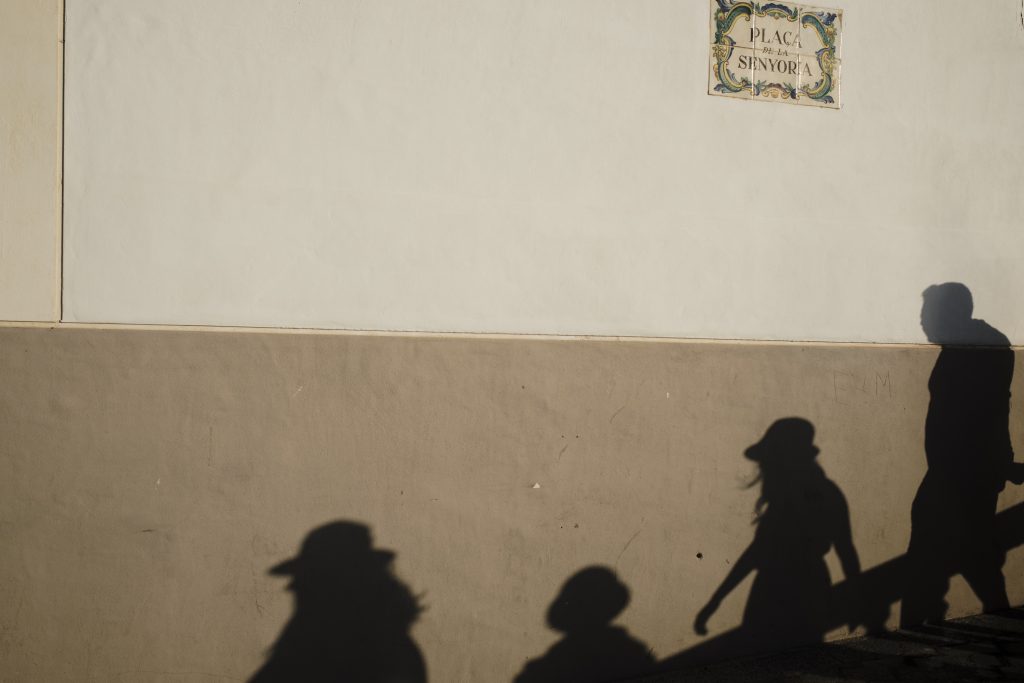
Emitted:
<point x="800" y="515"/>
<point x="788" y="442"/>
<point x="352" y="615"/>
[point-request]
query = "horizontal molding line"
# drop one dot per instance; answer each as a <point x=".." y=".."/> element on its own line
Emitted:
<point x="141" y="327"/>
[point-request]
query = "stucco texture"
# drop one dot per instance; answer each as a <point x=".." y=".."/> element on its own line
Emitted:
<point x="150" y="480"/>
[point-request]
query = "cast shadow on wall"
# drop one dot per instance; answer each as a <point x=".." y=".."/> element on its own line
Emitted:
<point x="352" y="615"/>
<point x="954" y="525"/>
<point x="800" y="515"/>
<point x="969" y="456"/>
<point x="593" y="650"/>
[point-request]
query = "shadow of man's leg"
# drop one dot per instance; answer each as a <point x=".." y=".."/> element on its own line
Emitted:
<point x="984" y="573"/>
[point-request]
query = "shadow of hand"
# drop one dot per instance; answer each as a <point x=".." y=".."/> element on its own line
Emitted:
<point x="700" y="624"/>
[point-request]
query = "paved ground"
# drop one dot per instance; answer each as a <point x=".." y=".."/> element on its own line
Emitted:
<point x="984" y="648"/>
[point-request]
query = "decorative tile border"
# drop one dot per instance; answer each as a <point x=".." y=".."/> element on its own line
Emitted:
<point x="775" y="51"/>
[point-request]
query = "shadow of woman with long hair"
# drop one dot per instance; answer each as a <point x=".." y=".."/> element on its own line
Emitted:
<point x="800" y="515"/>
<point x="352" y="615"/>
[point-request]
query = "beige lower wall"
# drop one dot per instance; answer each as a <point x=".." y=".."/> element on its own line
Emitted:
<point x="149" y="480"/>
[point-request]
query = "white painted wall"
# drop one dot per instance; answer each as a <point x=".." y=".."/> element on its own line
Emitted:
<point x="534" y="166"/>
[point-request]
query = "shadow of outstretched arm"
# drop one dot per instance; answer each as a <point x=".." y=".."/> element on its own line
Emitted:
<point x="856" y="600"/>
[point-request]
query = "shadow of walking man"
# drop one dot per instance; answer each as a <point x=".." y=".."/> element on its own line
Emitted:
<point x="352" y="615"/>
<point x="970" y="459"/>
<point x="593" y="650"/>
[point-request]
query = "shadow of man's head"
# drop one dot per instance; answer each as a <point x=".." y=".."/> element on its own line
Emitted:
<point x="946" y="313"/>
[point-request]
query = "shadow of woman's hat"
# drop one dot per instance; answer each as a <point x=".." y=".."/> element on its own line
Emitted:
<point x="334" y="546"/>
<point x="790" y="435"/>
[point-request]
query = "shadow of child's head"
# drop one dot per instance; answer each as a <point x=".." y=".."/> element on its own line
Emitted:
<point x="590" y="599"/>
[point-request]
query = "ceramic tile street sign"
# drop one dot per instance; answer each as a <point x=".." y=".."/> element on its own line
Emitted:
<point x="775" y="51"/>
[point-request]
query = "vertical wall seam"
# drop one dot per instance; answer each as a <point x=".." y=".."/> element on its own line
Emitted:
<point x="62" y="90"/>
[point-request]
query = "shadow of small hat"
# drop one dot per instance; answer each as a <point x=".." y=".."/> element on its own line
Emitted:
<point x="334" y="545"/>
<point x="591" y="597"/>
<point x="788" y="435"/>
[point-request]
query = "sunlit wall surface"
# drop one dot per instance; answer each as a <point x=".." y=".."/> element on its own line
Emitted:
<point x="532" y="167"/>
